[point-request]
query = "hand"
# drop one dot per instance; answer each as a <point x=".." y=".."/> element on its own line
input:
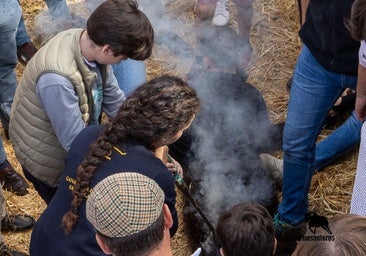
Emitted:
<point x="360" y="108"/>
<point x="174" y="166"/>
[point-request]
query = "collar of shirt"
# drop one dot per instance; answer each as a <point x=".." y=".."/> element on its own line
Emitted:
<point x="91" y="64"/>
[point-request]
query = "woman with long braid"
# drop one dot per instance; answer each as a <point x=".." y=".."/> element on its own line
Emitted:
<point x="153" y="116"/>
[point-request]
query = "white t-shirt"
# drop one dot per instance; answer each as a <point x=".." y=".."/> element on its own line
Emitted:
<point x="362" y="54"/>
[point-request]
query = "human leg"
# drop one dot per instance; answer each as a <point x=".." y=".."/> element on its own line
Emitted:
<point x="130" y="74"/>
<point x="8" y="60"/>
<point x="205" y="9"/>
<point x="9" y="20"/>
<point x="341" y="141"/>
<point x="46" y="192"/>
<point x="313" y="92"/>
<point x="245" y="17"/>
<point x="22" y="34"/>
<point x="58" y="8"/>
<point x="25" y="47"/>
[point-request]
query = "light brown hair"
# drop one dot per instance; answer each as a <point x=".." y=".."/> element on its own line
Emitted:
<point x="348" y="238"/>
<point x="356" y="24"/>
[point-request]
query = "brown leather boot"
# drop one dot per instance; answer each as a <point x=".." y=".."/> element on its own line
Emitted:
<point x="13" y="181"/>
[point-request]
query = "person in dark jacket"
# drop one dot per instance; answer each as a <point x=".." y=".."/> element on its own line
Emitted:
<point x="153" y="116"/>
<point x="327" y="64"/>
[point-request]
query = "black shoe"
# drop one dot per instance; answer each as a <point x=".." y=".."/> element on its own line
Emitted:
<point x="17" y="223"/>
<point x="13" y="181"/>
<point x="6" y="251"/>
<point x="287" y="235"/>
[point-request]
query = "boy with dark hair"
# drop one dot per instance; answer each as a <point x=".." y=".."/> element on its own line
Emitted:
<point x="246" y="229"/>
<point x="68" y="83"/>
<point x="130" y="217"/>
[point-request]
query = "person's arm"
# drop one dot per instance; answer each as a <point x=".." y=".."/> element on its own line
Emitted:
<point x="360" y="106"/>
<point x="304" y="7"/>
<point x="61" y="104"/>
<point x="113" y="96"/>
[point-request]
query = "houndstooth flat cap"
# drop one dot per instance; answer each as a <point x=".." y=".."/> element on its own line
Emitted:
<point x="124" y="204"/>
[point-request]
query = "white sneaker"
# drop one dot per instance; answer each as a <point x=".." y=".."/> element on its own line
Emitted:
<point x="221" y="16"/>
<point x="274" y="167"/>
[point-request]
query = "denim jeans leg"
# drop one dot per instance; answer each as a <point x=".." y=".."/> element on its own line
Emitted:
<point x="58" y="8"/>
<point x="8" y="62"/>
<point x="313" y="92"/>
<point x="22" y="34"/>
<point x="10" y="13"/>
<point x="344" y="139"/>
<point x="130" y="74"/>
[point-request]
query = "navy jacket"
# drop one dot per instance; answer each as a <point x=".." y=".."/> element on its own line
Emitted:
<point x="49" y="239"/>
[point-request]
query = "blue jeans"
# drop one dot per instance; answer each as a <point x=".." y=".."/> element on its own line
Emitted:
<point x="10" y="13"/>
<point x="130" y="74"/>
<point x="313" y="92"/>
<point x="58" y="8"/>
<point x="22" y="36"/>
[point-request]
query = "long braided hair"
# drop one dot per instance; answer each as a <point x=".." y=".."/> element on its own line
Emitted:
<point x="156" y="110"/>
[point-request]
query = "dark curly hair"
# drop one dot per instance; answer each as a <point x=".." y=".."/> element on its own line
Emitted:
<point x="156" y="110"/>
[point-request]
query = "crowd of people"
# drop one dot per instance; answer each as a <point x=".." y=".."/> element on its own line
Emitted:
<point x="92" y="134"/>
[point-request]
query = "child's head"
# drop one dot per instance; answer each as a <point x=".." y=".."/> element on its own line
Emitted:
<point x="127" y="211"/>
<point x="348" y="238"/>
<point x="120" y="24"/>
<point x="246" y="229"/>
<point x="356" y="24"/>
<point x="156" y="112"/>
